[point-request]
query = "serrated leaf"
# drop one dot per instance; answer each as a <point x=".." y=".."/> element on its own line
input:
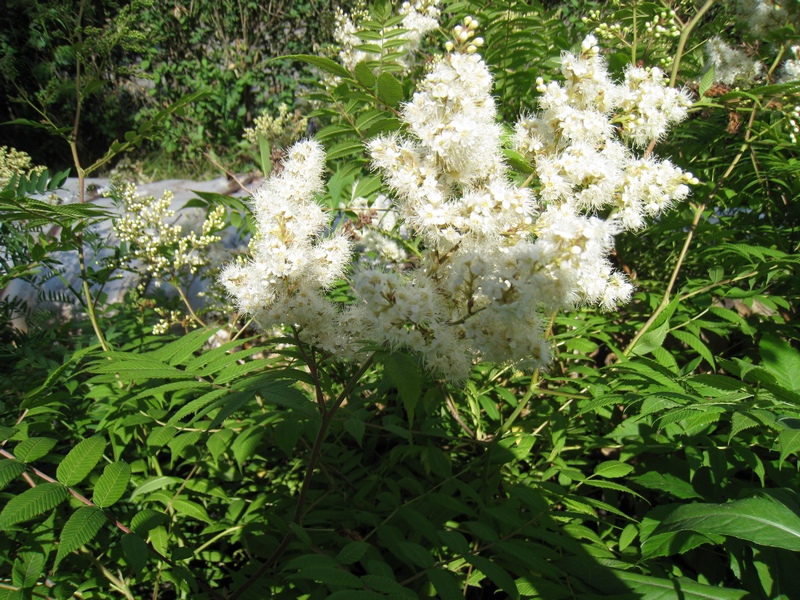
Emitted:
<point x="32" y="503"/>
<point x="245" y="444"/>
<point x="448" y="586"/>
<point x="300" y="533"/>
<point x="154" y="484"/>
<point x="79" y="530"/>
<point x="740" y="422"/>
<point x="707" y="80"/>
<point x="417" y="554"/>
<point x="33" y="448"/>
<point x="789" y="441"/>
<point x="147" y="519"/>
<point x="387" y="585"/>
<point x="760" y="519"/>
<point x="390" y="90"/>
<point x="781" y="360"/>
<point x="111" y="485"/>
<point x="9" y="469"/>
<point x="191" y="509"/>
<point x="28" y="568"/>
<point x="160" y="435"/>
<point x="364" y="75"/>
<point x="329" y="576"/>
<point x="356" y="428"/>
<point x="352" y="552"/>
<point x="612" y="469"/>
<point x="627" y="536"/>
<point x="499" y="576"/>
<point x="657" y="588"/>
<point x="404" y="373"/>
<point x="651" y="340"/>
<point x="326" y="64"/>
<point x="695" y="344"/>
<point x="80" y="461"/>
<point x="136" y="551"/>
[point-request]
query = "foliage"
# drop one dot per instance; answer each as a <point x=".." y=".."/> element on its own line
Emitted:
<point x="656" y="456"/>
<point x="225" y="47"/>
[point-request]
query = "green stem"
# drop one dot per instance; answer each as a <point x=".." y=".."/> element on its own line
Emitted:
<point x="698" y="213"/>
<point x="313" y="458"/>
<point x="685" y="36"/>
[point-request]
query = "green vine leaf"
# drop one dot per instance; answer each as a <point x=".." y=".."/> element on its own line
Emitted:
<point x="80" y="461"/>
<point x="32" y="503"/>
<point x="79" y="530"/>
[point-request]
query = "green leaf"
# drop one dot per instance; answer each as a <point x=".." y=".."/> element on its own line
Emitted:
<point x="160" y="436"/>
<point x="112" y="484"/>
<point x="136" y="551"/>
<point x="352" y="552"/>
<point x="32" y="503"/>
<point x="246" y="443"/>
<point x="612" y="469"/>
<point x="417" y="554"/>
<point x="447" y="585"/>
<point x="387" y="585"/>
<point x="326" y="64"/>
<point x="651" y="340"/>
<point x="707" y="80"/>
<point x="364" y="75"/>
<point x="154" y="484"/>
<point x="33" y="448"/>
<point x="761" y="519"/>
<point x="80" y="461"/>
<point x="329" y="576"/>
<point x="191" y="509"/>
<point x="781" y="360"/>
<point x="264" y="155"/>
<point x="9" y="469"/>
<point x="147" y="519"/>
<point x="404" y="373"/>
<point x="657" y="588"/>
<point x="695" y="344"/>
<point x="390" y="90"/>
<point x="497" y="574"/>
<point x="789" y="440"/>
<point x="80" y="529"/>
<point x="676" y="543"/>
<point x="28" y="568"/>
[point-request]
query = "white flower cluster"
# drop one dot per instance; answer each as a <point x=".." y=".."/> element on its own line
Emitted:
<point x="577" y="142"/>
<point x="292" y="263"/>
<point x="731" y="65"/>
<point x="791" y="67"/>
<point x="147" y="224"/>
<point x="419" y="18"/>
<point x="762" y="17"/>
<point x="496" y="261"/>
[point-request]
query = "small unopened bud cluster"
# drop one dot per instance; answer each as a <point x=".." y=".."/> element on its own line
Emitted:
<point x="464" y="39"/>
<point x="281" y="130"/>
<point x="663" y="25"/>
<point x="15" y="162"/>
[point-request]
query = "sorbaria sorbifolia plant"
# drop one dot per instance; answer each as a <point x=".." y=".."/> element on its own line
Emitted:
<point x="499" y="256"/>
